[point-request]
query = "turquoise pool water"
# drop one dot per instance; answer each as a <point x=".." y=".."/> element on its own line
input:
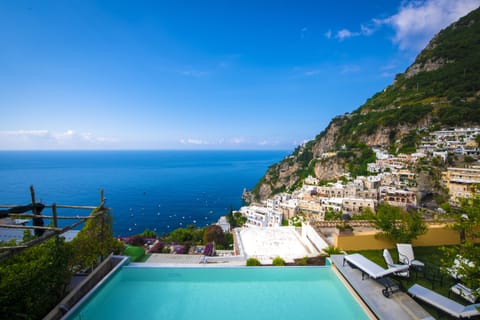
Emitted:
<point x="222" y="293"/>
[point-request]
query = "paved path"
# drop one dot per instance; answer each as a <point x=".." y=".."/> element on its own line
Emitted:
<point x="399" y="306"/>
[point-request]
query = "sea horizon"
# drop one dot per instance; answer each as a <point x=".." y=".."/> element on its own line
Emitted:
<point x="159" y="190"/>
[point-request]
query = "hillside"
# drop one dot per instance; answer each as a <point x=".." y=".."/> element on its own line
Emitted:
<point x="440" y="89"/>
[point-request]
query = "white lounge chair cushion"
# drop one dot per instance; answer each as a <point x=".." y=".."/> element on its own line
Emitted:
<point x="464" y="292"/>
<point x="443" y="303"/>
<point x="371" y="268"/>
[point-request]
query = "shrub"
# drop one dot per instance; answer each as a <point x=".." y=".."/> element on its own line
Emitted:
<point x="252" y="262"/>
<point x="136" y="240"/>
<point x="332" y="250"/>
<point x="135" y="253"/>
<point x="303" y="261"/>
<point x="278" y="262"/>
<point x="149" y="234"/>
<point x="157" y="247"/>
<point x="209" y="249"/>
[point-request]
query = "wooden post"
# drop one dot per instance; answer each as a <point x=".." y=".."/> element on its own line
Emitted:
<point x="54" y="213"/>
<point x="32" y="193"/>
<point x="102" y="198"/>
<point x="102" y="236"/>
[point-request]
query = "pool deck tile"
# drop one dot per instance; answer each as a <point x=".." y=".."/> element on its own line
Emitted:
<point x="398" y="306"/>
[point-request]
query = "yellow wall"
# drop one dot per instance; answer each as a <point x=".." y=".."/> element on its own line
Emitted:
<point x="436" y="235"/>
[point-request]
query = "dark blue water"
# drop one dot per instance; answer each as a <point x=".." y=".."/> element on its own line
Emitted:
<point x="159" y="190"/>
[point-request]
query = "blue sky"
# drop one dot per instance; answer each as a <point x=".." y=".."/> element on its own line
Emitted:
<point x="199" y="74"/>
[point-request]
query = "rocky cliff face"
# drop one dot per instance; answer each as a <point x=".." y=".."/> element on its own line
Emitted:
<point x="427" y="66"/>
<point x="329" y="169"/>
<point x="327" y="140"/>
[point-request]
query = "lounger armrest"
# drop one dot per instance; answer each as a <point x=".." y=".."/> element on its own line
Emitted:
<point x="403" y="259"/>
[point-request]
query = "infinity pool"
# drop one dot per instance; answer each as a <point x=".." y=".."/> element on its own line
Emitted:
<point x="221" y="293"/>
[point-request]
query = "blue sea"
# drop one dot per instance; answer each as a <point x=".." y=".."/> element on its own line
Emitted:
<point x="158" y="190"/>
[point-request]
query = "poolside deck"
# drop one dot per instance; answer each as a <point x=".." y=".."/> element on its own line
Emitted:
<point x="398" y="307"/>
<point x="183" y="260"/>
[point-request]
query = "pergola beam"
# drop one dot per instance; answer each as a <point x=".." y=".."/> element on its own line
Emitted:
<point x="9" y="251"/>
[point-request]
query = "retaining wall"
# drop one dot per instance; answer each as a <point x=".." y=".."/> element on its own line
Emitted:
<point x="437" y="235"/>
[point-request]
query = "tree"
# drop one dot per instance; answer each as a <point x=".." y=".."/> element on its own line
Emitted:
<point x="330" y="214"/>
<point x="467" y="219"/>
<point x="468" y="159"/>
<point x="147" y="233"/>
<point x="235" y="219"/>
<point x="95" y="241"/>
<point x="182" y="235"/>
<point x="398" y="224"/>
<point x="215" y="234"/>
<point x="34" y="281"/>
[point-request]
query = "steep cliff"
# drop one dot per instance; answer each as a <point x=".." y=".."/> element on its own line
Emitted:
<point x="440" y="89"/>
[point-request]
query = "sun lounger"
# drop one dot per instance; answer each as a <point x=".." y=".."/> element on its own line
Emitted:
<point x="389" y="261"/>
<point x="465" y="292"/>
<point x="375" y="271"/>
<point x="445" y="304"/>
<point x="370" y="268"/>
<point x="406" y="256"/>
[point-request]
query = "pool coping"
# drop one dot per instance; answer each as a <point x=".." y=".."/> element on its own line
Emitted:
<point x="370" y="313"/>
<point x="75" y="298"/>
<point x="399" y="306"/>
<point x="125" y="263"/>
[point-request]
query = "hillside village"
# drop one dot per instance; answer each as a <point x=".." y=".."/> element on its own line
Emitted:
<point x="391" y="179"/>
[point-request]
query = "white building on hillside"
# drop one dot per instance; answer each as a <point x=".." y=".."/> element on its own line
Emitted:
<point x="261" y="216"/>
<point x="223" y="223"/>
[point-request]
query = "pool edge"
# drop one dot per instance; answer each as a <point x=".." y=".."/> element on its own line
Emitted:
<point x="85" y="289"/>
<point x="370" y="313"/>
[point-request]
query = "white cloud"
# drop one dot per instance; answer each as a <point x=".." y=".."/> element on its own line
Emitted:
<point x="328" y="34"/>
<point x="418" y="21"/>
<point x="194" y="141"/>
<point x="24" y="133"/>
<point x="192" y="73"/>
<point x="350" y="69"/>
<point x="45" y="139"/>
<point x="312" y="72"/>
<point x="364" y="31"/>
<point x="386" y="74"/>
<point x="300" y="143"/>
<point x="263" y="143"/>
<point x="390" y="66"/>
<point x="71" y="137"/>
<point x="238" y="140"/>
<point x="345" y="34"/>
<point x="268" y="143"/>
<point x="303" y="32"/>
